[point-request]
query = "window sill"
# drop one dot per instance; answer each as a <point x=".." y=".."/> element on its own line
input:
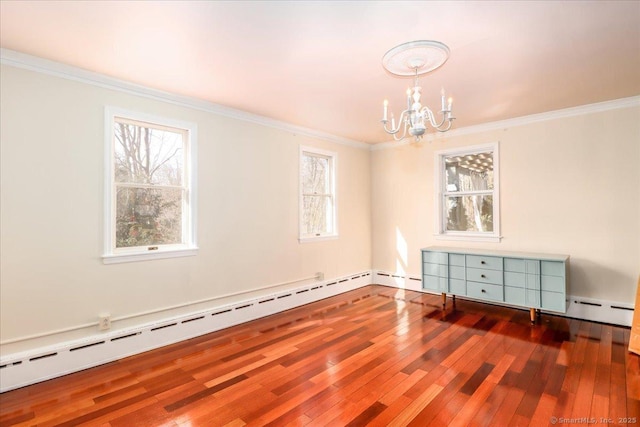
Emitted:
<point x="147" y="256"/>
<point x="317" y="238"/>
<point x="469" y="237"/>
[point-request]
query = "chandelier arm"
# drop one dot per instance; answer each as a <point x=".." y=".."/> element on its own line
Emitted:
<point x="432" y="118"/>
<point x="401" y="122"/>
<point x="445" y="129"/>
<point x="389" y="131"/>
<point x="404" y="134"/>
<point x="408" y="124"/>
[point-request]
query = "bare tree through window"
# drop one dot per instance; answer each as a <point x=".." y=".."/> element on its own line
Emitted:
<point x="318" y="201"/>
<point x="149" y="180"/>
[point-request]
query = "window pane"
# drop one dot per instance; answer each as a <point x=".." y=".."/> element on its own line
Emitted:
<point x="315" y="175"/>
<point x="469" y="213"/>
<point x="145" y="155"/>
<point x="317" y="215"/>
<point x="472" y="172"/>
<point x="147" y="216"/>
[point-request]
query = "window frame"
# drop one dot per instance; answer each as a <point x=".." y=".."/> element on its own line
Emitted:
<point x="188" y="247"/>
<point x="441" y="232"/>
<point x="333" y="162"/>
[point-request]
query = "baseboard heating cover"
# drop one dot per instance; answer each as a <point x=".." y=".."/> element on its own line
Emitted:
<point x="594" y="310"/>
<point x="22" y="369"/>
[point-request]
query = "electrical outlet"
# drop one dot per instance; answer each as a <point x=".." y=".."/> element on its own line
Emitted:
<point x="104" y="322"/>
<point x="320" y="276"/>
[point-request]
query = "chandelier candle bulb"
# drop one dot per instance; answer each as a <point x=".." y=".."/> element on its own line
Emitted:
<point x="450" y="104"/>
<point x="442" y="95"/>
<point x="384" y="114"/>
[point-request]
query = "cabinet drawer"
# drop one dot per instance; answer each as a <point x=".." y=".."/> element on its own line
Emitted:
<point x="434" y="283"/>
<point x="458" y="287"/>
<point x="435" y="269"/>
<point x="456" y="259"/>
<point x="528" y="266"/>
<point x="553" y="301"/>
<point x="490" y="262"/>
<point x="456" y="272"/>
<point x="484" y="276"/>
<point x="435" y="257"/>
<point x="520" y="296"/>
<point x="553" y="268"/>
<point x="485" y="291"/>
<point x="553" y="284"/>
<point x="521" y="280"/>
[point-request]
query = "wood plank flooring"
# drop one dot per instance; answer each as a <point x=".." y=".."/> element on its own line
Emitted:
<point x="375" y="356"/>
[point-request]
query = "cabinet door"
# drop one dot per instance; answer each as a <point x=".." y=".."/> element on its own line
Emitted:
<point x="435" y="269"/>
<point x="522" y="297"/>
<point x="515" y="296"/>
<point x="434" y="283"/>
<point x="553" y="268"/>
<point x="553" y="285"/>
<point x="457" y="287"/>
<point x="554" y="301"/>
<point x="533" y="298"/>
<point x="435" y="257"/>
<point x="456" y="272"/>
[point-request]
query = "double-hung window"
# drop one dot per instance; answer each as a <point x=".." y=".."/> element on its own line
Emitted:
<point x="150" y="187"/>
<point x="317" y="194"/>
<point x="468" y="197"/>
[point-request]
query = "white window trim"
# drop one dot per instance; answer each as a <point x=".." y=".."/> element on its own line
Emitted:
<point x="189" y="248"/>
<point x="440" y="229"/>
<point x="305" y="238"/>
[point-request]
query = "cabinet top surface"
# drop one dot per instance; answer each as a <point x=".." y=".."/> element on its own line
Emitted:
<point x="488" y="252"/>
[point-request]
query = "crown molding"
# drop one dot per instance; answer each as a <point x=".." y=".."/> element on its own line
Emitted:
<point x="616" y="104"/>
<point x="57" y="69"/>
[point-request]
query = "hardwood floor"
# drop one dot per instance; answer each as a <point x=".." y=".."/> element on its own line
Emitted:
<point x="375" y="356"/>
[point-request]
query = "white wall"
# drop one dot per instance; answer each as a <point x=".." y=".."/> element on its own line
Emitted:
<point x="52" y="155"/>
<point x="568" y="186"/>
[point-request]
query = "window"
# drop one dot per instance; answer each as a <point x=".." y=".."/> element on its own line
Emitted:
<point x="467" y="190"/>
<point x="149" y="186"/>
<point x="317" y="194"/>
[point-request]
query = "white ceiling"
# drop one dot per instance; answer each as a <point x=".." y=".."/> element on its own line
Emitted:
<point x="318" y="64"/>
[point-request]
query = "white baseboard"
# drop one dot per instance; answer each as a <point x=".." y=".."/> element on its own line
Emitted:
<point x="25" y="368"/>
<point x="590" y="309"/>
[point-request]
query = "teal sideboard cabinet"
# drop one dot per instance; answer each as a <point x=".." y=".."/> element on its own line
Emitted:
<point x="534" y="281"/>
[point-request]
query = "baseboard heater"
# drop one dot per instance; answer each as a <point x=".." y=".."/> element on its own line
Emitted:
<point x="21" y="369"/>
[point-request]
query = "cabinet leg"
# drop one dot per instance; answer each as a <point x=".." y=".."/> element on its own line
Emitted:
<point x="444" y="300"/>
<point x="453" y="300"/>
<point x="532" y="314"/>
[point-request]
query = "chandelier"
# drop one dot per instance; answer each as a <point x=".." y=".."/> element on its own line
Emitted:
<point x="415" y="59"/>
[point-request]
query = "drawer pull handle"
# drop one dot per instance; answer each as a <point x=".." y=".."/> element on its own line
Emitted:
<point x="483" y="291"/>
<point x="482" y="262"/>
<point x="484" y="277"/>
